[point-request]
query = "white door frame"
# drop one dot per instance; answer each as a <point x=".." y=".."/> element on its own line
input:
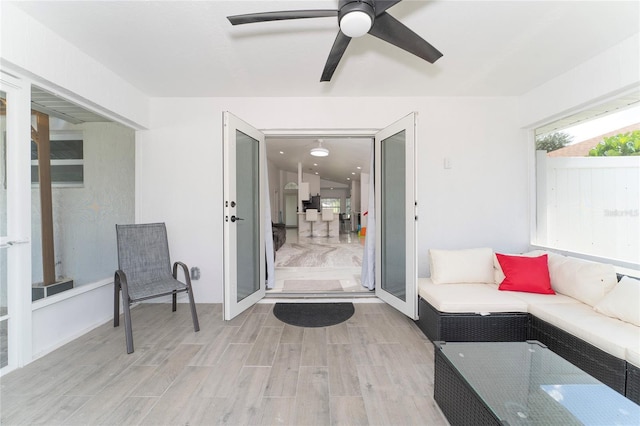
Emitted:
<point x="409" y="306"/>
<point x="232" y="307"/>
<point x="17" y="242"/>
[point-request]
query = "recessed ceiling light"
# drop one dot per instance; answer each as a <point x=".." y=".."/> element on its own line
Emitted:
<point x="281" y="152"/>
<point x="359" y="168"/>
<point x="315" y="164"/>
<point x="353" y="173"/>
<point x="348" y="178"/>
<point x="316" y="172"/>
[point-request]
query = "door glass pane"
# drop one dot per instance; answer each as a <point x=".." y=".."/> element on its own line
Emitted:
<point x="392" y="216"/>
<point x="4" y="357"/>
<point x="248" y="209"/>
<point x="3" y="163"/>
<point x="4" y="347"/>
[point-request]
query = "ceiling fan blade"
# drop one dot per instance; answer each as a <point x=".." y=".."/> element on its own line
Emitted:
<point x="280" y="16"/>
<point x="383" y="5"/>
<point x="389" y="29"/>
<point x="337" y="50"/>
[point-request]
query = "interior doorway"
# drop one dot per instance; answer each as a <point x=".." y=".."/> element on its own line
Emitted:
<point x="291" y="210"/>
<point x="319" y="265"/>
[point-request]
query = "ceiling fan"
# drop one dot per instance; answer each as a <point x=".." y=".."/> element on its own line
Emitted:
<point x="355" y="18"/>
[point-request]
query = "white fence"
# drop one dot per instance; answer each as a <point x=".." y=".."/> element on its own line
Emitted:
<point x="589" y="205"/>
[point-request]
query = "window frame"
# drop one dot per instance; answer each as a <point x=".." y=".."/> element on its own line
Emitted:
<point x="63" y="135"/>
<point x="564" y="122"/>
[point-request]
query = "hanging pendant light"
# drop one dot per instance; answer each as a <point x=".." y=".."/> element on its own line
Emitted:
<point x="319" y="151"/>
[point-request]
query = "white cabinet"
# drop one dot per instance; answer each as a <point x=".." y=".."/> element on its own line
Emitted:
<point x="303" y="191"/>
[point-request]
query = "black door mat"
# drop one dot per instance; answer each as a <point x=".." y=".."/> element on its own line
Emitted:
<point x="313" y="314"/>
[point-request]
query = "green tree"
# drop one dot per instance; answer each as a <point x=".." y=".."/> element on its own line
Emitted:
<point x="619" y="145"/>
<point x="553" y="141"/>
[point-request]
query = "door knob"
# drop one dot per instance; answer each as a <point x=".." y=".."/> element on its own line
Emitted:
<point x="234" y="218"/>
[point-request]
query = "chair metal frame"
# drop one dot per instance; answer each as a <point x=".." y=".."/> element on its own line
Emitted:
<point x="122" y="284"/>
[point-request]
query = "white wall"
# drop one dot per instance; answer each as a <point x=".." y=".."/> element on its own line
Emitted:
<point x="275" y="189"/>
<point x="36" y="52"/>
<point x="356" y="205"/>
<point x="480" y="201"/>
<point x="35" y="55"/>
<point x="314" y="183"/>
<point x="84" y="218"/>
<point x="364" y="197"/>
<point x="606" y="75"/>
<point x="60" y="318"/>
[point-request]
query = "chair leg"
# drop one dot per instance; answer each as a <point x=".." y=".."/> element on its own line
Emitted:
<point x="187" y="279"/>
<point x="126" y="308"/>
<point x="194" y="314"/>
<point x="116" y="301"/>
<point x="127" y="327"/>
<point x="175" y="301"/>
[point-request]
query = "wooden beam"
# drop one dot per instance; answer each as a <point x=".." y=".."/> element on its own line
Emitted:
<point x="46" y="210"/>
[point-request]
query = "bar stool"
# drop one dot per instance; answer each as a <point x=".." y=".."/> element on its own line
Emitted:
<point x="327" y="216"/>
<point x="311" y="216"/>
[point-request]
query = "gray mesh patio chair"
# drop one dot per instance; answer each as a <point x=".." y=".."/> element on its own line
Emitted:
<point x="144" y="272"/>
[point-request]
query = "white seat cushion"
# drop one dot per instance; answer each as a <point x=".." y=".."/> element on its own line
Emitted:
<point x="633" y="355"/>
<point x="468" y="298"/>
<point x="609" y="334"/>
<point x="537" y="298"/>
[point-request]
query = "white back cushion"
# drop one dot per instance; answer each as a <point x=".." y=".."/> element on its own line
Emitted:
<point x="461" y="266"/>
<point x="583" y="280"/>
<point x="622" y="302"/>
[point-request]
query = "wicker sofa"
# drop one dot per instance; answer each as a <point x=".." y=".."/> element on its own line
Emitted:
<point x="464" y="303"/>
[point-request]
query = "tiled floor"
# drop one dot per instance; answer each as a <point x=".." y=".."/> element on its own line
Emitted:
<point x="320" y="259"/>
<point x="376" y="368"/>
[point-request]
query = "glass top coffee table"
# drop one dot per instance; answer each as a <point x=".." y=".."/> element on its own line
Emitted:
<point x="522" y="383"/>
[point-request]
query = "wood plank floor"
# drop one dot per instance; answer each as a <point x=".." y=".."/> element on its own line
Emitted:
<point x="374" y="369"/>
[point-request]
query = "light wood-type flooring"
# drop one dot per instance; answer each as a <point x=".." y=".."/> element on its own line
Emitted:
<point x="376" y="368"/>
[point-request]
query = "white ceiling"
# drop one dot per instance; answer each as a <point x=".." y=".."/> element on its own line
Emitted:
<point x="348" y="157"/>
<point x="188" y="48"/>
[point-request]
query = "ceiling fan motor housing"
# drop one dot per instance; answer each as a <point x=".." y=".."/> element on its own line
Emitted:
<point x="347" y="6"/>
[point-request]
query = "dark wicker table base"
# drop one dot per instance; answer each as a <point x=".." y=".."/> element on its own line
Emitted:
<point x="459" y="404"/>
<point x="518" y="327"/>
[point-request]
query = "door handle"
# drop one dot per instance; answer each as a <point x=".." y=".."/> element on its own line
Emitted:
<point x="234" y="218"/>
<point x="6" y="244"/>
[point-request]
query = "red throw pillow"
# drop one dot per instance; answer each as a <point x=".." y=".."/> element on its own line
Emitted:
<point x="527" y="274"/>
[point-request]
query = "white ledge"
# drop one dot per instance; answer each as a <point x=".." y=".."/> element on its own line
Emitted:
<point x="68" y="294"/>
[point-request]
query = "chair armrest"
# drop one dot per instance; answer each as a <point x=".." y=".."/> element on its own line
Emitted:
<point x="120" y="281"/>
<point x="120" y="277"/>
<point x="185" y="271"/>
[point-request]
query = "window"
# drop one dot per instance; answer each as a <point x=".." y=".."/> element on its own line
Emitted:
<point x="588" y="185"/>
<point x="331" y="203"/>
<point x="67" y="159"/>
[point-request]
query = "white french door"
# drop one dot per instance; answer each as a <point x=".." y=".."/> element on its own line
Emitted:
<point x="244" y="250"/>
<point x="396" y="215"/>
<point x="15" y="225"/>
<point x="244" y="257"/>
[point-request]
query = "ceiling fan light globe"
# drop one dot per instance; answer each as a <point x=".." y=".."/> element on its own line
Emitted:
<point x="319" y="152"/>
<point x="355" y="24"/>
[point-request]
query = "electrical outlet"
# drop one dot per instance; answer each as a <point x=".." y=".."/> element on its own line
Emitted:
<point x="195" y="273"/>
